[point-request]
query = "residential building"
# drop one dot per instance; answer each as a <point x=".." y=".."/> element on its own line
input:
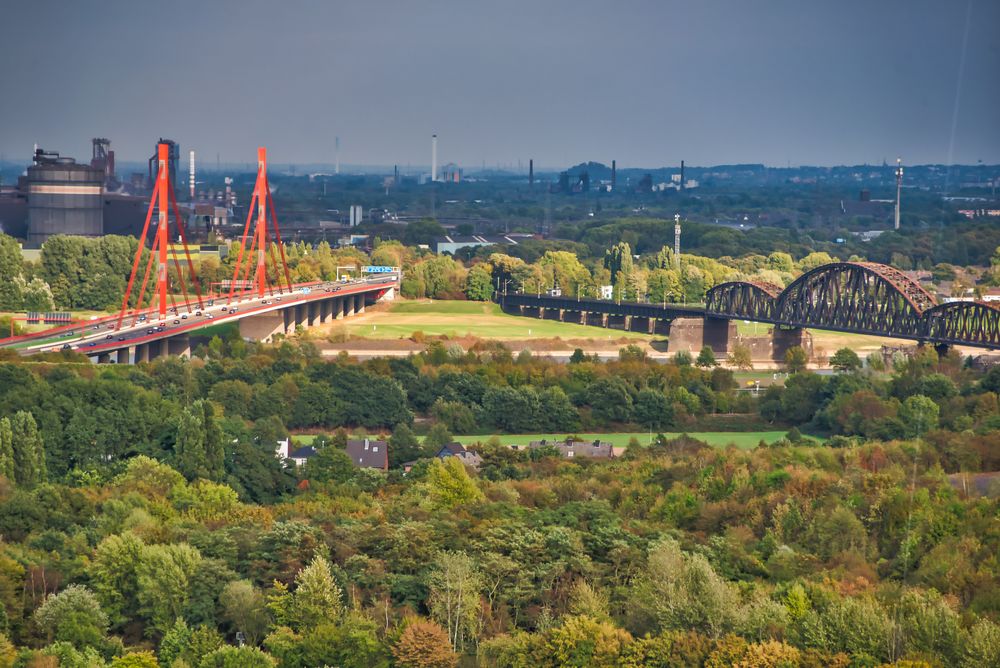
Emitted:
<point x="577" y="448"/>
<point x="467" y="457"/>
<point x="368" y="453"/>
<point x="453" y="243"/>
<point x="298" y="456"/>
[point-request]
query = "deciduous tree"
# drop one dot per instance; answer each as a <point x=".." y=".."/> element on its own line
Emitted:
<point x="424" y="644"/>
<point x="455" y="585"/>
<point x="244" y="607"/>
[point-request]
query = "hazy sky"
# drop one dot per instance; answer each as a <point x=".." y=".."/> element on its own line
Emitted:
<point x="648" y="83"/>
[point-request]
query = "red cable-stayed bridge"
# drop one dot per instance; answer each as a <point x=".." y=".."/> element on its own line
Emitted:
<point x="262" y="307"/>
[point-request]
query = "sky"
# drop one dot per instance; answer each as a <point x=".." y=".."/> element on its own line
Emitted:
<point x="779" y="82"/>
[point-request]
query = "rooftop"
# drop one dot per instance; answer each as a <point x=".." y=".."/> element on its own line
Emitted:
<point x="368" y="453"/>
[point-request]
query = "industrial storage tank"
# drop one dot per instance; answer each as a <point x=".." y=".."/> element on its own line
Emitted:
<point x="63" y="198"/>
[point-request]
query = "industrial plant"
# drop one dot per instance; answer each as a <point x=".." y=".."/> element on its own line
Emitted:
<point x="59" y="195"/>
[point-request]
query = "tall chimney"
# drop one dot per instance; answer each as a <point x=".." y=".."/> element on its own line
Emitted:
<point x="899" y="188"/>
<point x="191" y="173"/>
<point x="434" y="157"/>
<point x="682" y="175"/>
<point x="395" y="175"/>
<point x="614" y="174"/>
<point x="531" y="173"/>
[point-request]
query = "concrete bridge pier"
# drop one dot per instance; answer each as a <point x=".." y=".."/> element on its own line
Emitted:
<point x="583" y="317"/>
<point x="782" y="339"/>
<point x="312" y="313"/>
<point x="359" y="304"/>
<point x="141" y="353"/>
<point x="693" y="334"/>
<point x="325" y="311"/>
<point x="178" y="345"/>
<point x="338" y="308"/>
<point x="103" y="358"/>
<point x="264" y="326"/>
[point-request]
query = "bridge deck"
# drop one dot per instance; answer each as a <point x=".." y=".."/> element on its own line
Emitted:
<point x="91" y="338"/>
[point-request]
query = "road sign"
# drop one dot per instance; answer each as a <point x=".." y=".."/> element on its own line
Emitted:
<point x="58" y="317"/>
<point x="378" y="269"/>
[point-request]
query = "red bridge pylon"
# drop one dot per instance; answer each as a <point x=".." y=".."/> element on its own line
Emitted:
<point x="261" y="204"/>
<point x="162" y="199"/>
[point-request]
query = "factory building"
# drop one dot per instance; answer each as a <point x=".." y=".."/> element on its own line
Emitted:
<point x="451" y="173"/>
<point x="63" y="198"/>
<point x="56" y="195"/>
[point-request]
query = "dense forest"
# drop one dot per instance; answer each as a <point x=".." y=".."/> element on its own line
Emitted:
<point x="147" y="522"/>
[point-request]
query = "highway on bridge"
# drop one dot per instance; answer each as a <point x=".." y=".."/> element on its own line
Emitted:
<point x="102" y="335"/>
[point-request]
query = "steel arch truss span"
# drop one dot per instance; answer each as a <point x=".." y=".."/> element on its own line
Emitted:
<point x="743" y="299"/>
<point x="862" y="297"/>
<point x="976" y="323"/>
<point x="857" y="297"/>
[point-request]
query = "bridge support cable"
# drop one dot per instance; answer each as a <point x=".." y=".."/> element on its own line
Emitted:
<point x="135" y="267"/>
<point x="243" y="243"/>
<point x="281" y="246"/>
<point x="162" y="196"/>
<point x="187" y="254"/>
<point x="261" y="208"/>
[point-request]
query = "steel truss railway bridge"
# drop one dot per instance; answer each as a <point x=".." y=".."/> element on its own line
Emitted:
<point x="856" y="297"/>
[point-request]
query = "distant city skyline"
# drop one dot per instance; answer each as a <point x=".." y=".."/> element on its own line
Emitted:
<point x="644" y="83"/>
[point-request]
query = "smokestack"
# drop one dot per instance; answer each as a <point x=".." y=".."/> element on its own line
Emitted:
<point x="682" y="175"/>
<point x="899" y="187"/>
<point x="531" y="173"/>
<point x="191" y="173"/>
<point x="336" y="155"/>
<point x="614" y="174"/>
<point x="434" y="157"/>
<point x="395" y="175"/>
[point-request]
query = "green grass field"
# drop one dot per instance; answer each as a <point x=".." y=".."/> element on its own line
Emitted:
<point x="461" y="318"/>
<point x="744" y="440"/>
